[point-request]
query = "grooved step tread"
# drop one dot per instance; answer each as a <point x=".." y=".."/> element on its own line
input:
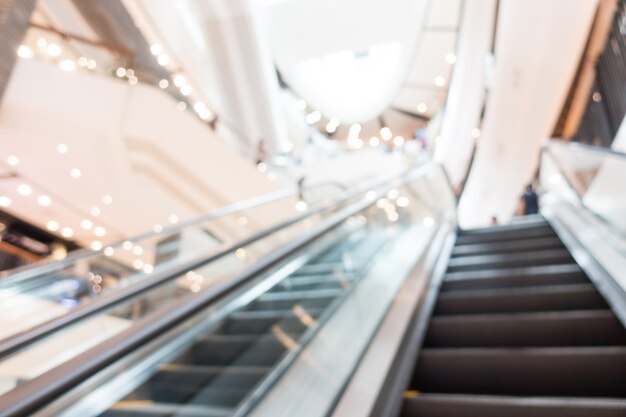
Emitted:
<point x="573" y="328"/>
<point x="526" y="299"/>
<point x="513" y="277"/>
<point x="578" y="372"/>
<point x="507" y="247"/>
<point x="446" y="405"/>
<point x="534" y="258"/>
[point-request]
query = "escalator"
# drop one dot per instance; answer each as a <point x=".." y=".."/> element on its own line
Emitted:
<point x="518" y="330"/>
<point x="219" y="372"/>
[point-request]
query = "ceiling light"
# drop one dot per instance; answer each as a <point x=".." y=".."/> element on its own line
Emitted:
<point x="24" y="189"/>
<point x="261" y="167"/>
<point x="157" y="228"/>
<point x="374" y="141"/>
<point x="440" y="81"/>
<point x="428" y="221"/>
<point x="67" y="65"/>
<point x="96" y="245"/>
<point x="138" y="250"/>
<point x="475" y="132"/>
<point x="62" y="148"/>
<point x="422" y="108"/>
<point x="109" y="251"/>
<point x="52" y="226"/>
<point x="107" y="199"/>
<point x="331" y="128"/>
<point x="12" y="160"/>
<point x="313" y="117"/>
<point x="86" y="224"/>
<point x="301" y="205"/>
<point x="138" y="263"/>
<point x="164" y="83"/>
<point x="385" y="133"/>
<point x="398" y="140"/>
<point x="42" y="42"/>
<point x="301" y="104"/>
<point x="402" y="201"/>
<point x="99" y="231"/>
<point x="5" y="201"/>
<point x="185" y="90"/>
<point x="147" y="268"/>
<point x="182" y="106"/>
<point x="67" y="232"/>
<point x="450" y="58"/>
<point x="120" y="72"/>
<point x="132" y="80"/>
<point x="75" y="173"/>
<point x="91" y="64"/>
<point x="156" y="49"/>
<point x="163" y="60"/>
<point x="54" y="50"/>
<point x="173" y="218"/>
<point x="95" y="211"/>
<point x="24" y="52"/>
<point x="127" y="245"/>
<point x="82" y="61"/>
<point x="179" y="81"/>
<point x="44" y="200"/>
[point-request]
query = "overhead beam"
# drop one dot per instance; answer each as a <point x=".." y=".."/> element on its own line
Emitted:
<point x="14" y="22"/>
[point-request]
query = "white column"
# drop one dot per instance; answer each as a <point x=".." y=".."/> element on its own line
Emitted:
<point x="538" y="47"/>
<point x="467" y="90"/>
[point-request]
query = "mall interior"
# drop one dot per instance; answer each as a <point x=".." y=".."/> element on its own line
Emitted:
<point x="312" y="208"/>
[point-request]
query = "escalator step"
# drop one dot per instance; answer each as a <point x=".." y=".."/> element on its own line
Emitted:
<point x="149" y="409"/>
<point x="514" y="277"/>
<point x="507" y="247"/>
<point x="504" y="235"/>
<point x="259" y="322"/>
<point x="446" y="405"/>
<point x="223" y="350"/>
<point x="582" y="372"/>
<point x="509" y="260"/>
<point x="574" y="328"/>
<point x="516" y="300"/>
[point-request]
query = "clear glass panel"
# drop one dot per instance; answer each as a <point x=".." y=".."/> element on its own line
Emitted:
<point x="221" y="361"/>
<point x="79" y="336"/>
<point x="596" y="176"/>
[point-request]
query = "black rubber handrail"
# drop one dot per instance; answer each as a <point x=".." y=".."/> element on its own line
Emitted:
<point x="21" y="340"/>
<point x="36" y="393"/>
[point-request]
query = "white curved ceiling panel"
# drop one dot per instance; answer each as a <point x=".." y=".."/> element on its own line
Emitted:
<point x="346" y="58"/>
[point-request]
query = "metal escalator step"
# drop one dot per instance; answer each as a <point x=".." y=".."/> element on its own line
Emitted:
<point x="447" y="405"/>
<point x="505" y="235"/>
<point x="517" y="300"/>
<point x="179" y="384"/>
<point x="314" y="299"/>
<point x="508" y="260"/>
<point x="258" y="322"/>
<point x="574" y="328"/>
<point x="527" y="223"/>
<point x="587" y="371"/>
<point x="514" y="277"/>
<point x="321" y="282"/>
<point x="237" y="350"/>
<point x="507" y="247"/>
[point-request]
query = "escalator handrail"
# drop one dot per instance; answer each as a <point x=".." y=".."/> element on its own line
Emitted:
<point x="21" y="340"/>
<point x="41" y="390"/>
<point x="581" y="200"/>
<point x="583" y="147"/>
<point x="27" y="272"/>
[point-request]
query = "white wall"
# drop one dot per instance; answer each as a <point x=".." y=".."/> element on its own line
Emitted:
<point x="538" y="47"/>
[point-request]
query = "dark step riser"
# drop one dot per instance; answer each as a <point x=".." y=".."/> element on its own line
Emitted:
<point x="595" y="374"/>
<point x="513" y="282"/>
<point x="536" y="331"/>
<point x="520" y="302"/>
